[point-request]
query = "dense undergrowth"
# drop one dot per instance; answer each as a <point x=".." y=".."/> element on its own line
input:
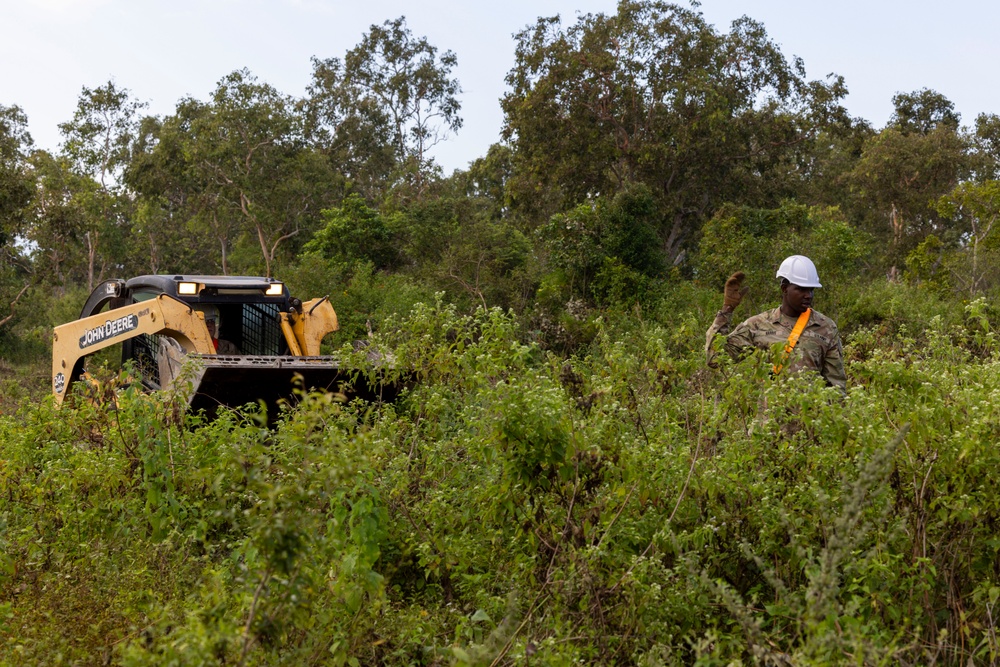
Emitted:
<point x="621" y="505"/>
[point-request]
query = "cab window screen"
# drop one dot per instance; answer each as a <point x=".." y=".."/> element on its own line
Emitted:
<point x="262" y="330"/>
<point x="142" y="348"/>
<point x="144" y="354"/>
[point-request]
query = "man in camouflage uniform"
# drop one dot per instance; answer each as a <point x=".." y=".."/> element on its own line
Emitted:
<point x="818" y="348"/>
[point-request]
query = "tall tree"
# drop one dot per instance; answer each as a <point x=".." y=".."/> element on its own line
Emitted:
<point x="179" y="215"/>
<point x="175" y="182"/>
<point x="485" y="182"/>
<point x="826" y="166"/>
<point x="975" y="210"/>
<point x="15" y="179"/>
<point x="654" y="94"/>
<point x="16" y="192"/>
<point x="98" y="138"/>
<point x="920" y="156"/>
<point x="392" y="91"/>
<point x="986" y="147"/>
<point x="97" y="142"/>
<point x="60" y="220"/>
<point x="352" y="131"/>
<point x="923" y="111"/>
<point x="249" y="147"/>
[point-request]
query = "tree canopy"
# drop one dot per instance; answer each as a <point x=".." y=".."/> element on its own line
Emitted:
<point x="656" y="95"/>
<point x="627" y="138"/>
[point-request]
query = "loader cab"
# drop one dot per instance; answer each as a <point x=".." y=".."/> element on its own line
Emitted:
<point x="247" y="309"/>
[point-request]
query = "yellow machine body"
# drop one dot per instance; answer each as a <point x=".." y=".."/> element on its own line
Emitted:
<point x="162" y="323"/>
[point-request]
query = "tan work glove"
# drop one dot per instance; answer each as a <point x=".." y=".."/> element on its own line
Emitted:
<point x="735" y="291"/>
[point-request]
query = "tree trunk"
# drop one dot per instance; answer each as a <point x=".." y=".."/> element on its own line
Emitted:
<point x="672" y="244"/>
<point x="91" y="259"/>
<point x="896" y="220"/>
<point x="263" y="249"/>
<point x="225" y="257"/>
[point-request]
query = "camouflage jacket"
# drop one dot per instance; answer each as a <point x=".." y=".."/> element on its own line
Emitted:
<point x="819" y="348"/>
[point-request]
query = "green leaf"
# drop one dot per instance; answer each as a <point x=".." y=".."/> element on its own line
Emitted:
<point x="481" y="615"/>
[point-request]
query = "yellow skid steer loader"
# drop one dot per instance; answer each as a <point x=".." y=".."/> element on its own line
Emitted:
<point x="243" y="338"/>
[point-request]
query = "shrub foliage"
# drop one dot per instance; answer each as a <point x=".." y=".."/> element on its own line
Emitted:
<point x="621" y="506"/>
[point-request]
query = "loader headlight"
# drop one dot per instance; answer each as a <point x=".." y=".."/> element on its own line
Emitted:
<point x="275" y="289"/>
<point x="187" y="289"/>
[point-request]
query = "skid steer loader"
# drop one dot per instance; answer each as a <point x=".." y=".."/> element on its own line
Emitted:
<point x="242" y="339"/>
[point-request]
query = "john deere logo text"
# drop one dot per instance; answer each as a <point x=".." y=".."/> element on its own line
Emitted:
<point x="109" y="329"/>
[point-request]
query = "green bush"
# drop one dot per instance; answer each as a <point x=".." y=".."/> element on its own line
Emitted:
<point x="362" y="297"/>
<point x="605" y="251"/>
<point x="354" y="232"/>
<point x="624" y="505"/>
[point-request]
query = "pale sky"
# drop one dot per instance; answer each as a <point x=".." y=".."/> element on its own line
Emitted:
<point x="163" y="50"/>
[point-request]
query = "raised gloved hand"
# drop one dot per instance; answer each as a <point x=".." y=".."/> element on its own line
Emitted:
<point x="735" y="291"/>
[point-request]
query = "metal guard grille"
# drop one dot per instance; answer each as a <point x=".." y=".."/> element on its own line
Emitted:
<point x="144" y="354"/>
<point x="262" y="330"/>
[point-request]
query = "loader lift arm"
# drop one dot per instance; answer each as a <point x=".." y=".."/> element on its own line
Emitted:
<point x="73" y="341"/>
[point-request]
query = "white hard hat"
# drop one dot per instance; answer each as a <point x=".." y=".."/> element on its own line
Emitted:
<point x="799" y="270"/>
<point x="210" y="312"/>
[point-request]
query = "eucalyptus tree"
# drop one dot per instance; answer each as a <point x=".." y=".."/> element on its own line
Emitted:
<point x="60" y="221"/>
<point x="974" y="208"/>
<point x="231" y="177"/>
<point x="179" y="217"/>
<point x="16" y="193"/>
<point x="15" y="178"/>
<point x="353" y="132"/>
<point x="249" y="149"/>
<point x="654" y="94"/>
<point x="385" y="105"/>
<point x="903" y="170"/>
<point x="97" y="142"/>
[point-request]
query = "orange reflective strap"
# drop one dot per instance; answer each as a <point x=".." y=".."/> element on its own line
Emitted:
<point x="793" y="338"/>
